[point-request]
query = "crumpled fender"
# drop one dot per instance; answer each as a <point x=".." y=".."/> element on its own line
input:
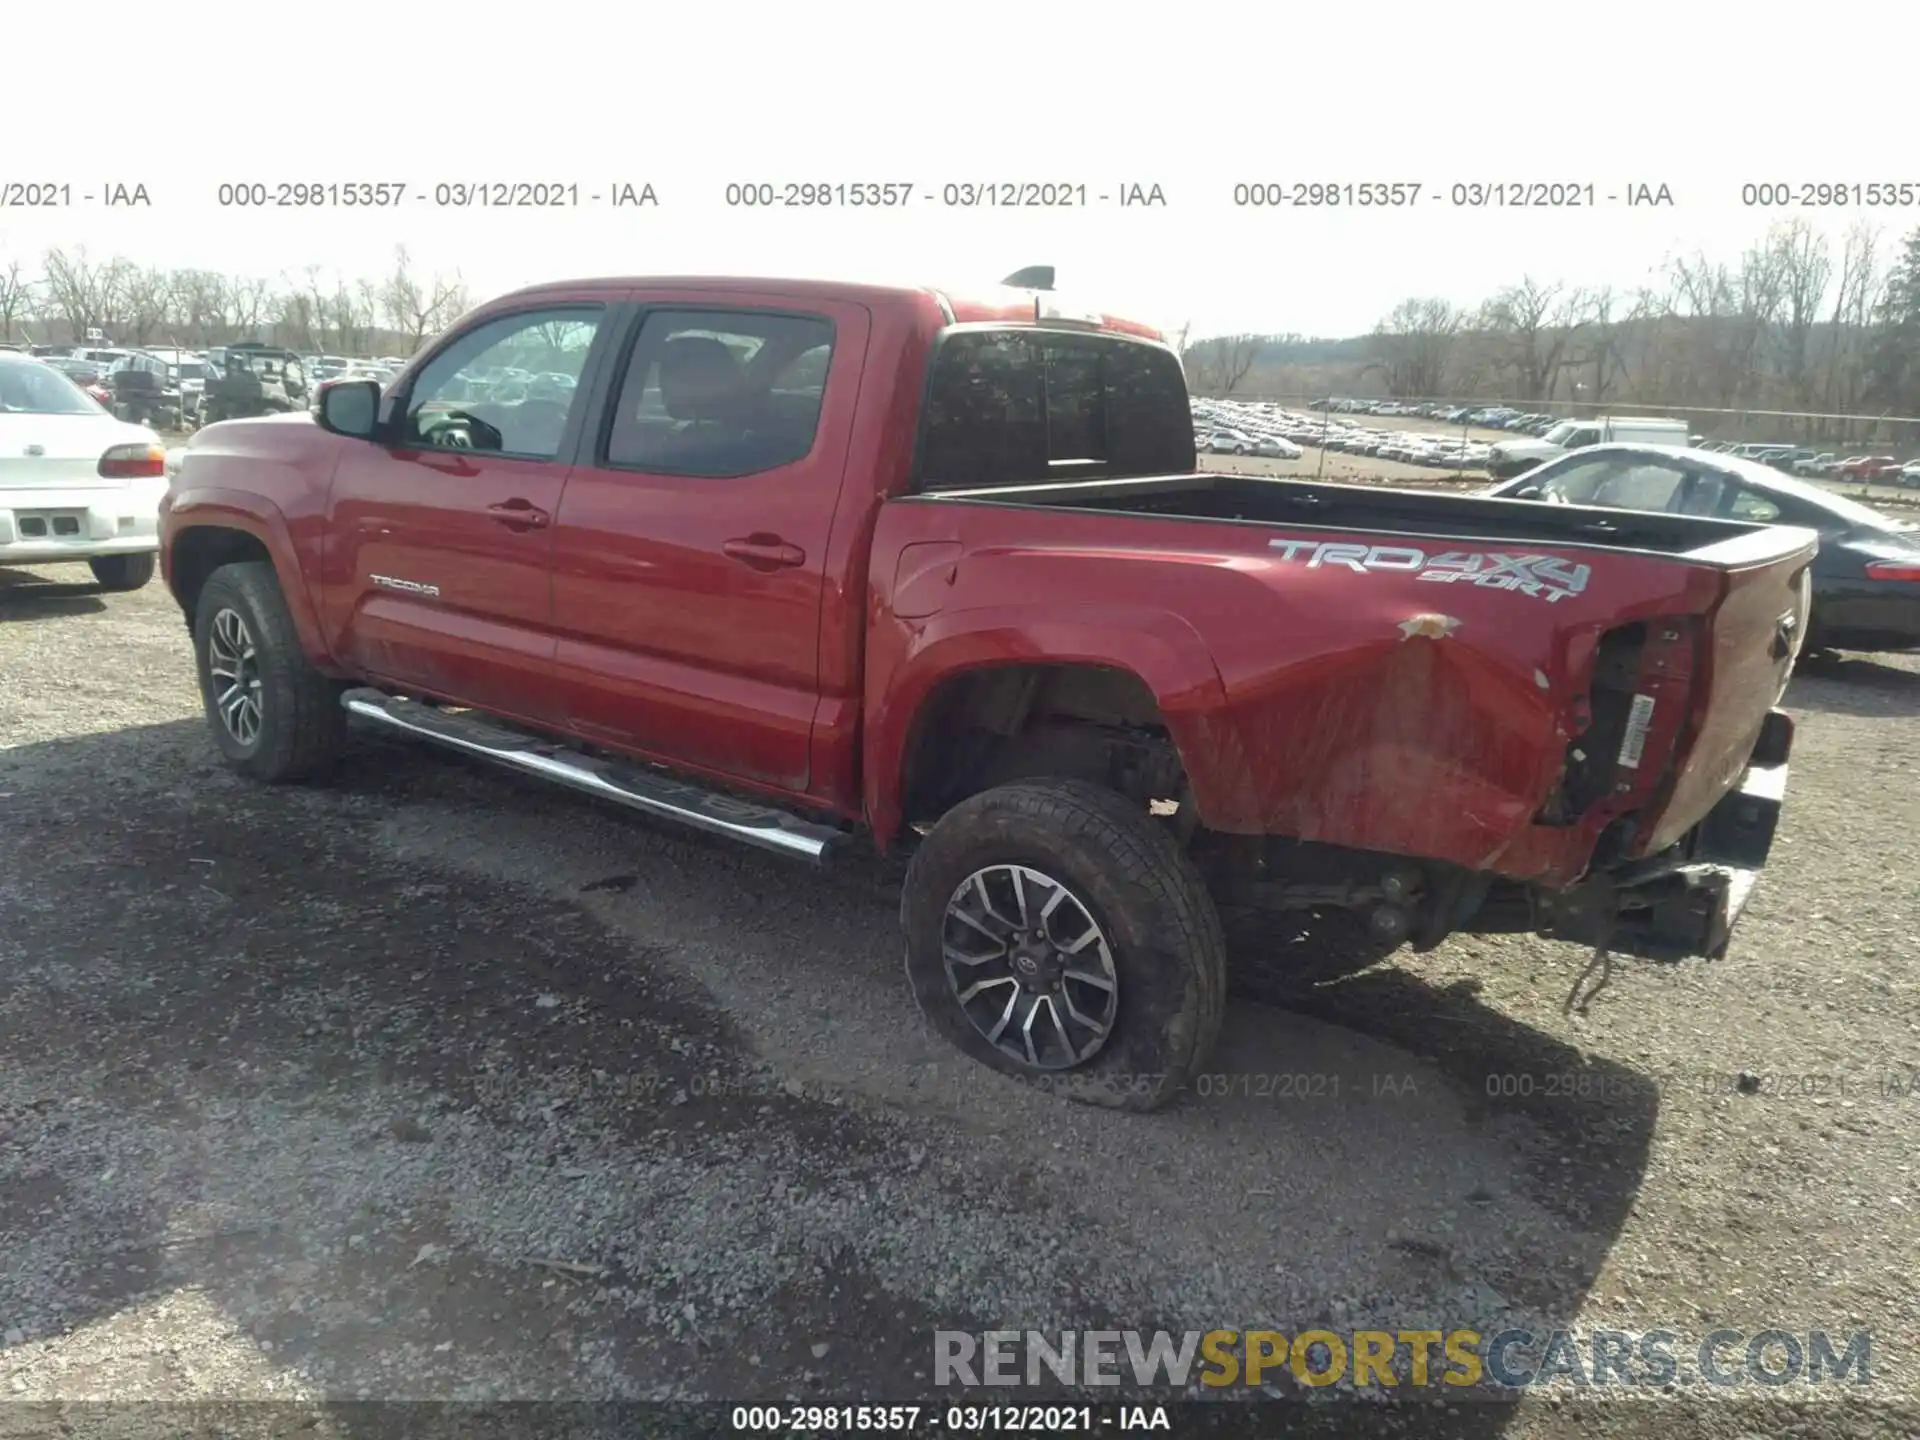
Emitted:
<point x="1159" y="648"/>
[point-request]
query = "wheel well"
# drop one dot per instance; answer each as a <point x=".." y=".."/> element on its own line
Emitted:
<point x="991" y="726"/>
<point x="198" y="552"/>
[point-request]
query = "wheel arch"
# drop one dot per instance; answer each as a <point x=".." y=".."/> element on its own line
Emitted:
<point x="1144" y="673"/>
<point x="217" y="534"/>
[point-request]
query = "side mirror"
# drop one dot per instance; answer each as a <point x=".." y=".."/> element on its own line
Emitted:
<point x="350" y="408"/>
<point x="1527" y="492"/>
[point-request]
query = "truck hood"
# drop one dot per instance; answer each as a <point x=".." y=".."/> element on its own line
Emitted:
<point x="293" y="442"/>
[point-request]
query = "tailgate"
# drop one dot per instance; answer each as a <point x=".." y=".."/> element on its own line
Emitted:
<point x="1745" y="654"/>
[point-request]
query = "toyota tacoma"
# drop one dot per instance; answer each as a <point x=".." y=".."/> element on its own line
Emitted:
<point x="831" y="568"/>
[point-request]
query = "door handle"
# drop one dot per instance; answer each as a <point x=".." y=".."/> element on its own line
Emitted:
<point x="518" y="514"/>
<point x="764" y="552"/>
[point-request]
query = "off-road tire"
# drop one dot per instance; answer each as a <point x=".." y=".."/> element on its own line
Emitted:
<point x="302" y="728"/>
<point x="122" y="572"/>
<point x="1138" y="886"/>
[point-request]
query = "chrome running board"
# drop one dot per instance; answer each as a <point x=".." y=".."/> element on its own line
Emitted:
<point x="653" y="792"/>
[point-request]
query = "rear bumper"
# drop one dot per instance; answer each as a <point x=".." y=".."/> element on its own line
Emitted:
<point x="1866" y="615"/>
<point x="44" y="527"/>
<point x="1685" y="901"/>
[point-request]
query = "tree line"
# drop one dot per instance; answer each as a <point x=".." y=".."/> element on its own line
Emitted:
<point x="68" y="294"/>
<point x="1797" y="322"/>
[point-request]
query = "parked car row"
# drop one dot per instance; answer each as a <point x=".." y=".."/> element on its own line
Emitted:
<point x="1247" y="427"/>
<point x="1799" y="460"/>
<point x="1863" y="469"/>
<point x="1485" y="417"/>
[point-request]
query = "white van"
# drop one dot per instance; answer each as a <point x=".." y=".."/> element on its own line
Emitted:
<point x="1516" y="457"/>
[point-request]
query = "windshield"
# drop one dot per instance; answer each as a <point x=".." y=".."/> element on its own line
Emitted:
<point x="193" y="370"/>
<point x="30" y="388"/>
<point x="1559" y="433"/>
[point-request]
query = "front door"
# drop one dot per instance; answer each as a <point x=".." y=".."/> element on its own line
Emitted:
<point x="440" y="540"/>
<point x="692" y="550"/>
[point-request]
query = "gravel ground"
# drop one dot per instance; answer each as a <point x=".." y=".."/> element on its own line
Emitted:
<point x="435" y="1083"/>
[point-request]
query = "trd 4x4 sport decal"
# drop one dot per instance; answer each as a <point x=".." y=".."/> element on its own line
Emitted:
<point x="1545" y="577"/>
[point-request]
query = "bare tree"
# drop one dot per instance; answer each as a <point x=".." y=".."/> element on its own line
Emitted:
<point x="1854" y="297"/>
<point x="415" y="307"/>
<point x="17" y="294"/>
<point x="199" y="305"/>
<point x="1602" y="358"/>
<point x="1536" y="323"/>
<point x="83" y="293"/>
<point x="1806" y="274"/>
<point x="1219" y="365"/>
<point x="1413" y="346"/>
<point x="149" y="304"/>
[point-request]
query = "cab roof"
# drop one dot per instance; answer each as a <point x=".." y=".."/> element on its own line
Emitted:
<point x="991" y="304"/>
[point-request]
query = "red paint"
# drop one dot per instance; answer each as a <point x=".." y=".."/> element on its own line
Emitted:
<point x="781" y="631"/>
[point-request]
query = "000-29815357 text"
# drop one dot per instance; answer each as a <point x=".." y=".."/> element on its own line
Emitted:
<point x="443" y="194"/>
<point x="1832" y="194"/>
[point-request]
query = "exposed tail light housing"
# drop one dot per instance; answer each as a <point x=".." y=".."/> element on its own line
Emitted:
<point x="134" y="462"/>
<point x="1893" y="570"/>
<point x="1628" y="723"/>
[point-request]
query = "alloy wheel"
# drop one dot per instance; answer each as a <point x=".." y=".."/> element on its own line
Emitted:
<point x="233" y="665"/>
<point x="1030" y="966"/>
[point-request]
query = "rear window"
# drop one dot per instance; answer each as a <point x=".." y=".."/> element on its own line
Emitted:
<point x="30" y="388"/>
<point x="1019" y="407"/>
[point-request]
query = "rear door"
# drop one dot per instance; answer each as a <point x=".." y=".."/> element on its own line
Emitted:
<point x="690" y="554"/>
<point x="440" y="540"/>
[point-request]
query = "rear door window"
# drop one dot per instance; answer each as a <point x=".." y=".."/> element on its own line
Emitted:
<point x="721" y="394"/>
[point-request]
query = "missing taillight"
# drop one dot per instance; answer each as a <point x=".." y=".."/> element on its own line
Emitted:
<point x="134" y="462"/>
<point x="1628" y="722"/>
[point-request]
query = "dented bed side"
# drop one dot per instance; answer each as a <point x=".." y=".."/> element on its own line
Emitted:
<point x="1500" y="704"/>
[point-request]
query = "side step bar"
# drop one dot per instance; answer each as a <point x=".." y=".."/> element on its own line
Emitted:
<point x="653" y="792"/>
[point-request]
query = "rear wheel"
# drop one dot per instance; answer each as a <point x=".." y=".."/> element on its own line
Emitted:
<point x="1057" y="933"/>
<point x="273" y="716"/>
<point x="122" y="572"/>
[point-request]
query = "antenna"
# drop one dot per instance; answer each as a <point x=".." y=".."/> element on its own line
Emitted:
<point x="1034" y="277"/>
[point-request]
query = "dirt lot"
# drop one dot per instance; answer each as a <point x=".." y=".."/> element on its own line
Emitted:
<point x="435" y="1083"/>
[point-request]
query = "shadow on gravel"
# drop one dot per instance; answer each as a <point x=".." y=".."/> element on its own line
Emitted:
<point x="30" y="597"/>
<point x="1596" y="1117"/>
<point x="270" y="1070"/>
<point x="1854" y="685"/>
<point x="276" y="1069"/>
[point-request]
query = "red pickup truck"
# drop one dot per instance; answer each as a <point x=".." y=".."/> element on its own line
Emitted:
<point x="825" y="567"/>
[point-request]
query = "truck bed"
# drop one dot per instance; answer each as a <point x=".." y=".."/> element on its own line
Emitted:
<point x="1379" y="510"/>
<point x="1395" y="671"/>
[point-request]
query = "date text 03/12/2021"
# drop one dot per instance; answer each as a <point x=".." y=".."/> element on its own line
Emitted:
<point x="949" y="1419"/>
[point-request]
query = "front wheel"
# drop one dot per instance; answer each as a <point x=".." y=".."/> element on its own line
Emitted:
<point x="1057" y="933"/>
<point x="122" y="572"/>
<point x="273" y="716"/>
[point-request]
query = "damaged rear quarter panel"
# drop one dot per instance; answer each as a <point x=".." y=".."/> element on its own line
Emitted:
<point x="1356" y="706"/>
<point x="1422" y="705"/>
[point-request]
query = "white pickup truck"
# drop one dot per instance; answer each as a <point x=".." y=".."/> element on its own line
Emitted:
<point x="1516" y="457"/>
